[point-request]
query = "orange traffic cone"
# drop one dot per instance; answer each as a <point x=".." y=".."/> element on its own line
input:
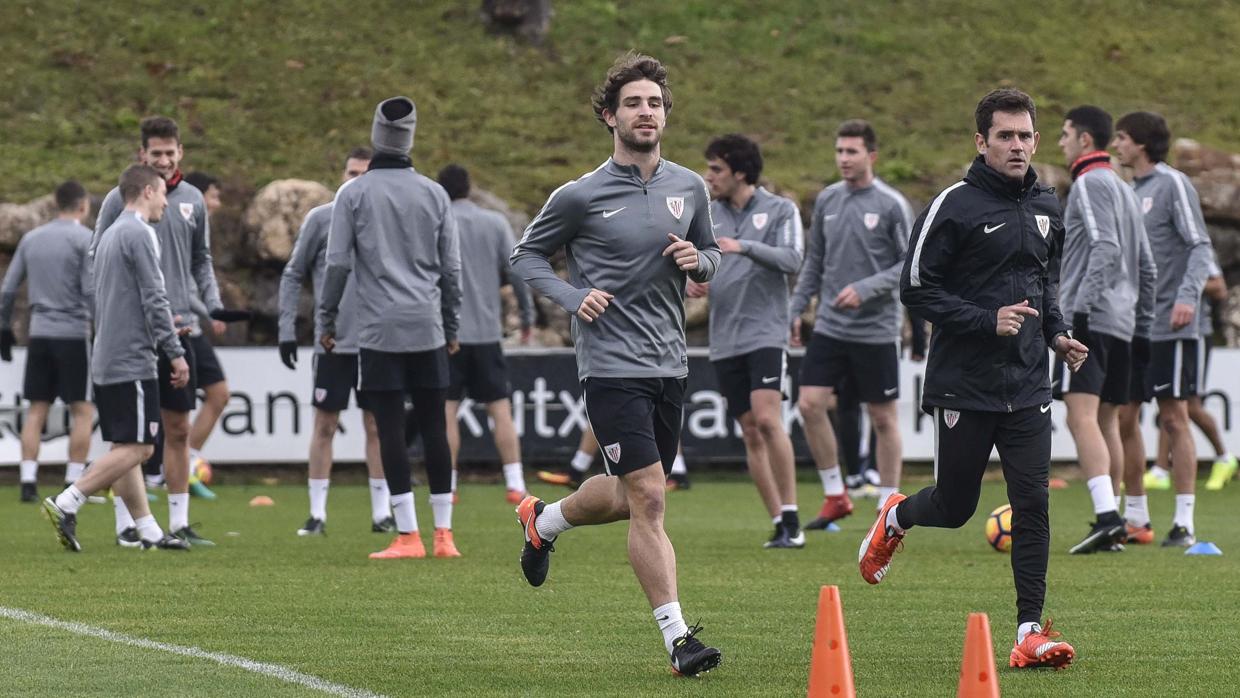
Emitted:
<point x="830" y="669"/>
<point x="977" y="670"/>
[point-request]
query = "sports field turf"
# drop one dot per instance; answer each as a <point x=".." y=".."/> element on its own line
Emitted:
<point x="1147" y="622"/>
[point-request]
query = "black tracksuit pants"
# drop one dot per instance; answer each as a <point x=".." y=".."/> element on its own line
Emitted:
<point x="962" y="443"/>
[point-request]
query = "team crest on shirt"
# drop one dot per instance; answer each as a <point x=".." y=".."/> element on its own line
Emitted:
<point x="870" y="220"/>
<point x="612" y="451"/>
<point x="154" y="427"/>
<point x="950" y="417"/>
<point x="187" y="212"/>
<point x="1147" y="203"/>
<point x="759" y="220"/>
<point x="1044" y="224"/>
<point x="676" y="204"/>
<point x="320" y="394"/>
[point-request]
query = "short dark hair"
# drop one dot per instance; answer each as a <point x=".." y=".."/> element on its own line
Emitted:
<point x="455" y="180"/>
<point x="135" y="178"/>
<point x="202" y="181"/>
<point x="859" y="128"/>
<point x="69" y="196"/>
<point x="1008" y="100"/>
<point x="159" y="127"/>
<point x="741" y="154"/>
<point x="1094" y="121"/>
<point x="1148" y="129"/>
<point x="359" y="153"/>
<point x="630" y="67"/>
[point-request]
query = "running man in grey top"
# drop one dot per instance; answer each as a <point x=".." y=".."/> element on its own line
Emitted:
<point x="486" y="243"/>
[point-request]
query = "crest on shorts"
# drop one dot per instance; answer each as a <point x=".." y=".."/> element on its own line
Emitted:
<point x="1044" y="224"/>
<point x="1147" y="203"/>
<point x="154" y="427"/>
<point x="187" y="212"/>
<point x="612" y="451"/>
<point x="950" y="417"/>
<point x="759" y="220"/>
<point x="870" y="220"/>
<point x="676" y="204"/>
<point x="320" y="394"/>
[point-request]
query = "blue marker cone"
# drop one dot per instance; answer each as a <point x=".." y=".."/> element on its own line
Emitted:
<point x="1204" y="548"/>
<point x="832" y="528"/>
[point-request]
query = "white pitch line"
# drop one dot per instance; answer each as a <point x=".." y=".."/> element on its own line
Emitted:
<point x="273" y="670"/>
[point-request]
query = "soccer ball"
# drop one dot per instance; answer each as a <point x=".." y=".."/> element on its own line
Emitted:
<point x="202" y="471"/>
<point x="999" y="529"/>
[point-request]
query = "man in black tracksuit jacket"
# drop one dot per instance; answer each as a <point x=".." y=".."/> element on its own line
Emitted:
<point x="983" y="267"/>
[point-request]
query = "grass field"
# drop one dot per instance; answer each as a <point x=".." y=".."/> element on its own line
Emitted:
<point x="1148" y="622"/>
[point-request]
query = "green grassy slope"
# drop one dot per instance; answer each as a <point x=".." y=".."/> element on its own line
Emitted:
<point x="271" y="90"/>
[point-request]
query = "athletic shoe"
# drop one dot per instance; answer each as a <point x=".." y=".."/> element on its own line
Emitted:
<point x="443" y="545"/>
<point x="64" y="523"/>
<point x="690" y="657"/>
<point x="571" y="478"/>
<point x="677" y="481"/>
<point x="874" y="557"/>
<point x="536" y="555"/>
<point x="1223" y="470"/>
<point x="775" y="537"/>
<point x="405" y="545"/>
<point x="197" y="489"/>
<point x="783" y="538"/>
<point x="30" y="492"/>
<point x="515" y="496"/>
<point x="166" y="543"/>
<point x="859" y="488"/>
<point x="94" y="498"/>
<point x="1179" y="537"/>
<point x="1157" y="480"/>
<point x="129" y="538"/>
<point x="834" y="508"/>
<point x="313" y="527"/>
<point x="1040" y="649"/>
<point x="871" y="477"/>
<point x="1139" y="535"/>
<point x="1103" y="535"/>
<point x="387" y="525"/>
<point x="190" y="536"/>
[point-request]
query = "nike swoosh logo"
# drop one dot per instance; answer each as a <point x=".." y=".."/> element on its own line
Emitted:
<point x="662" y="619"/>
<point x="609" y="214"/>
<point x="988" y="229"/>
<point x="772" y="379"/>
<point x="890" y="391"/>
<point x="1164" y="386"/>
<point x="1045" y="408"/>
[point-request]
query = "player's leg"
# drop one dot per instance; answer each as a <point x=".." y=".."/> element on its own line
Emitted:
<point x="1108" y="421"/>
<point x="509" y="448"/>
<point x="824" y="366"/>
<point x="381" y="520"/>
<point x="1174" y="373"/>
<point x="72" y="359"/>
<point x="453" y="428"/>
<point x="81" y="424"/>
<point x="32" y="438"/>
<point x="889" y="453"/>
<point x="318" y="482"/>
<point x="736" y="383"/>
<point x="1225" y="464"/>
<point x="1095" y="460"/>
<point x="875" y="370"/>
<point x="209" y="411"/>
<point x="579" y="466"/>
<point x="767" y="411"/>
<point x="176" y="426"/>
<point x="428" y="405"/>
<point x="209" y="376"/>
<point x="388" y="408"/>
<point x="758" y="464"/>
<point x="1136" y="502"/>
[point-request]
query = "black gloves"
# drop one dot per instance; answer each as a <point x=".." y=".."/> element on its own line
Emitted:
<point x="1080" y="328"/>
<point x="225" y="315"/>
<point x="1140" y="351"/>
<point x="7" y="340"/>
<point x="288" y="354"/>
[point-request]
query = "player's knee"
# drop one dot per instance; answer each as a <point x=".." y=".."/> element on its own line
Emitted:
<point x="884" y="421"/>
<point x="646" y="500"/>
<point x="813" y="407"/>
<point x="1033" y="500"/>
<point x="769" y="426"/>
<point x="325" y="427"/>
<point x="143" y="452"/>
<point x="751" y="432"/>
<point x="217" y="395"/>
<point x="957" y="517"/>
<point x="177" y="429"/>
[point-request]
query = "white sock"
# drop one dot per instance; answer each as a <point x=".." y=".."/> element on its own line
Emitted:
<point x="1225" y="457"/>
<point x="73" y="471"/>
<point x="1100" y="491"/>
<point x="153" y="481"/>
<point x="403" y="510"/>
<point x="1159" y="471"/>
<point x="514" y="477"/>
<point x="1136" y="509"/>
<point x="380" y="504"/>
<point x="70" y="500"/>
<point x="671" y="623"/>
<point x="1184" y="510"/>
<point x="832" y="481"/>
<point x="123" y="519"/>
<point x="777" y="520"/>
<point x="893" y="522"/>
<point x="178" y="511"/>
<point x="1116" y="502"/>
<point x="551" y="522"/>
<point x="29" y="470"/>
<point x="678" y="467"/>
<point x="884" y="493"/>
<point x="454" y="479"/>
<point x="1024" y="629"/>
<point x="441" y="509"/>
<point x="318" y="498"/>
<point x="582" y="461"/>
<point x="788" y="507"/>
<point x="148" y="530"/>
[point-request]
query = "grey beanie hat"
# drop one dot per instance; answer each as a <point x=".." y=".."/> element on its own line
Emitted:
<point x="395" y="120"/>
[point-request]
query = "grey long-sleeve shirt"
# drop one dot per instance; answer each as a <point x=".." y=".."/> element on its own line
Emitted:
<point x="52" y="259"/>
<point x="613" y="227"/>
<point x="394" y="230"/>
<point x="1104" y="262"/>
<point x="749" y="294"/>
<point x="1180" y="243"/>
<point x="133" y="315"/>
<point x="857" y="237"/>
<point x="486" y="243"/>
<point x="185" y="241"/>
<point x="309" y="261"/>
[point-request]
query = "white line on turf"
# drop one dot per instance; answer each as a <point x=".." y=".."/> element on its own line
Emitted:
<point x="273" y="670"/>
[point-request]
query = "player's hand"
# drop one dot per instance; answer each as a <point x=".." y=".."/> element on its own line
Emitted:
<point x="1011" y="317"/>
<point x="181" y="329"/>
<point x="795" y="337"/>
<point x="453" y="347"/>
<point x="1071" y="351"/>
<point x="288" y="354"/>
<point x="527" y="335"/>
<point x="180" y="372"/>
<point x="7" y="340"/>
<point x="328" y="340"/>
<point x="595" y="303"/>
<point x="218" y="327"/>
<point x="696" y="290"/>
<point x="848" y="299"/>
<point x="683" y="253"/>
<point x="1182" y="314"/>
<point x="728" y="245"/>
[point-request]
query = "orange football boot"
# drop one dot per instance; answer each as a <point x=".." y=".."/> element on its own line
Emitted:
<point x="1040" y="649"/>
<point x="444" y="546"/>
<point x="874" y="557"/>
<point x="405" y="545"/>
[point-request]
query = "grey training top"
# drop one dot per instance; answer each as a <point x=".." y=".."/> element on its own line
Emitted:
<point x="397" y="226"/>
<point x="857" y="237"/>
<point x="486" y="242"/>
<point x="749" y="295"/>
<point x="60" y="289"/>
<point x="185" y="238"/>
<point x="614" y="227"/>
<point x="1205" y="313"/>
<point x="133" y="316"/>
<point x="309" y="259"/>
<point x="1104" y="262"/>
<point x="1178" y="239"/>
